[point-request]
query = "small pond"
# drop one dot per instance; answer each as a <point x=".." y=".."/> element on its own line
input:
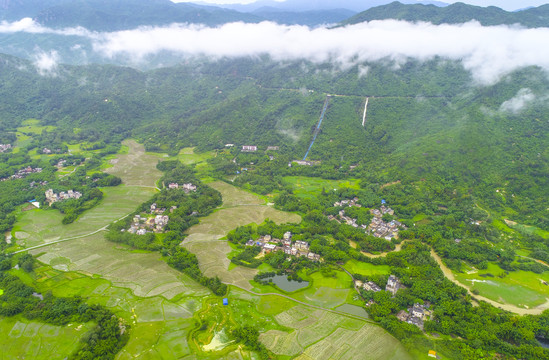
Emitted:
<point x="353" y="310"/>
<point x="287" y="285"/>
<point x="543" y="343"/>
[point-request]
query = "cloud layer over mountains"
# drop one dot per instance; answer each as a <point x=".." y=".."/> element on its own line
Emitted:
<point x="488" y="52"/>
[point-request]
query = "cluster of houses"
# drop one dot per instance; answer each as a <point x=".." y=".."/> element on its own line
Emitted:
<point x="415" y="315"/>
<point x="382" y="229"/>
<point x="269" y="244"/>
<point x="253" y="148"/>
<point x="142" y="225"/>
<point x="377" y="226"/>
<point x="50" y="151"/>
<point x="393" y="285"/>
<point x="186" y="187"/>
<point x="23" y="173"/>
<point x="52" y="197"/>
<point x="4" y="147"/>
<point x="342" y="217"/>
<point x="34" y="184"/>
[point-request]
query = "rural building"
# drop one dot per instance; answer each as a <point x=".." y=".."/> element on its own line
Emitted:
<point x="273" y="148"/>
<point x="249" y="148"/>
<point x="393" y="285"/>
<point x="4" y="147"/>
<point x="52" y="197"/>
<point x="433" y="353"/>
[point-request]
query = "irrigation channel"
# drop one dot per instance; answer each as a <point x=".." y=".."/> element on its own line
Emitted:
<point x="317" y="130"/>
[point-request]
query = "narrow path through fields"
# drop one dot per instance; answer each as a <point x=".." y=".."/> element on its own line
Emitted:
<point x="104" y="228"/>
<point x="304" y="303"/>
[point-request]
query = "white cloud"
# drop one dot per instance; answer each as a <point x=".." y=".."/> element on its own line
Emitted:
<point x="515" y="105"/>
<point x="489" y="52"/>
<point x="46" y="63"/>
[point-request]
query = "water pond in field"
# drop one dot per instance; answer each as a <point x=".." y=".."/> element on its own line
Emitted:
<point x="286" y="284"/>
<point x="353" y="310"/>
<point x="543" y="342"/>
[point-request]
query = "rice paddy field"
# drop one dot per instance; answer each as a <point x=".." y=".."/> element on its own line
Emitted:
<point x="524" y="289"/>
<point x="163" y="305"/>
<point x="24" y="339"/>
<point x="308" y="187"/>
<point x="318" y="334"/>
<point x="205" y="239"/>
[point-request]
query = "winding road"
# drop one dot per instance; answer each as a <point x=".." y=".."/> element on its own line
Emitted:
<point x="450" y="276"/>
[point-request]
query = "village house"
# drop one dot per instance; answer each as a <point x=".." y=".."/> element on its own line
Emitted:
<point x="414" y="315"/>
<point x="4" y="147"/>
<point x="393" y="285"/>
<point x="142" y="225"/>
<point x="23" y="173"/>
<point x="269" y="244"/>
<point x="249" y="148"/>
<point x="52" y="197"/>
<point x="273" y="148"/>
<point x="229" y="145"/>
<point x="368" y="285"/>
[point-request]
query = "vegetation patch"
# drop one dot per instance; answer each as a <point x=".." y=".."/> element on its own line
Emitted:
<point x="310" y="187"/>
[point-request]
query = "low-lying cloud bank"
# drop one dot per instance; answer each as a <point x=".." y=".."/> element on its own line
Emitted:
<point x="488" y="52"/>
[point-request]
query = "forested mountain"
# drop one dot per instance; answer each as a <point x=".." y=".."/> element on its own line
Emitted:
<point x="454" y="14"/>
<point x="307" y="5"/>
<point x="425" y="120"/>
<point x="107" y="15"/>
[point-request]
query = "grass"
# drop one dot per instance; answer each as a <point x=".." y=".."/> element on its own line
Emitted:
<point x="366" y="269"/>
<point x="1" y="292"/>
<point x="520" y="288"/>
<point x="309" y="187"/>
<point x="531" y="230"/>
<point x="24" y="339"/>
<point x="32" y="126"/>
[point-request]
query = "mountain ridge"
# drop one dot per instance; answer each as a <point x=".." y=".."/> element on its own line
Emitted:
<point x="454" y="14"/>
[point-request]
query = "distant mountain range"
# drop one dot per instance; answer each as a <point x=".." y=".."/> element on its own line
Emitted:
<point x="113" y="15"/>
<point x="316" y="5"/>
<point x="454" y="14"/>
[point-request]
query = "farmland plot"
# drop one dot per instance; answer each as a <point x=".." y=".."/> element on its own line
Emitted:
<point x="239" y="208"/>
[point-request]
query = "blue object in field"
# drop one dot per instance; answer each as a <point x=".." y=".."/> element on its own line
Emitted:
<point x="225" y="301"/>
<point x="33" y="200"/>
<point x="383" y="202"/>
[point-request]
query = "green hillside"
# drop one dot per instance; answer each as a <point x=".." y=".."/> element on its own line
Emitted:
<point x="456" y="13"/>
